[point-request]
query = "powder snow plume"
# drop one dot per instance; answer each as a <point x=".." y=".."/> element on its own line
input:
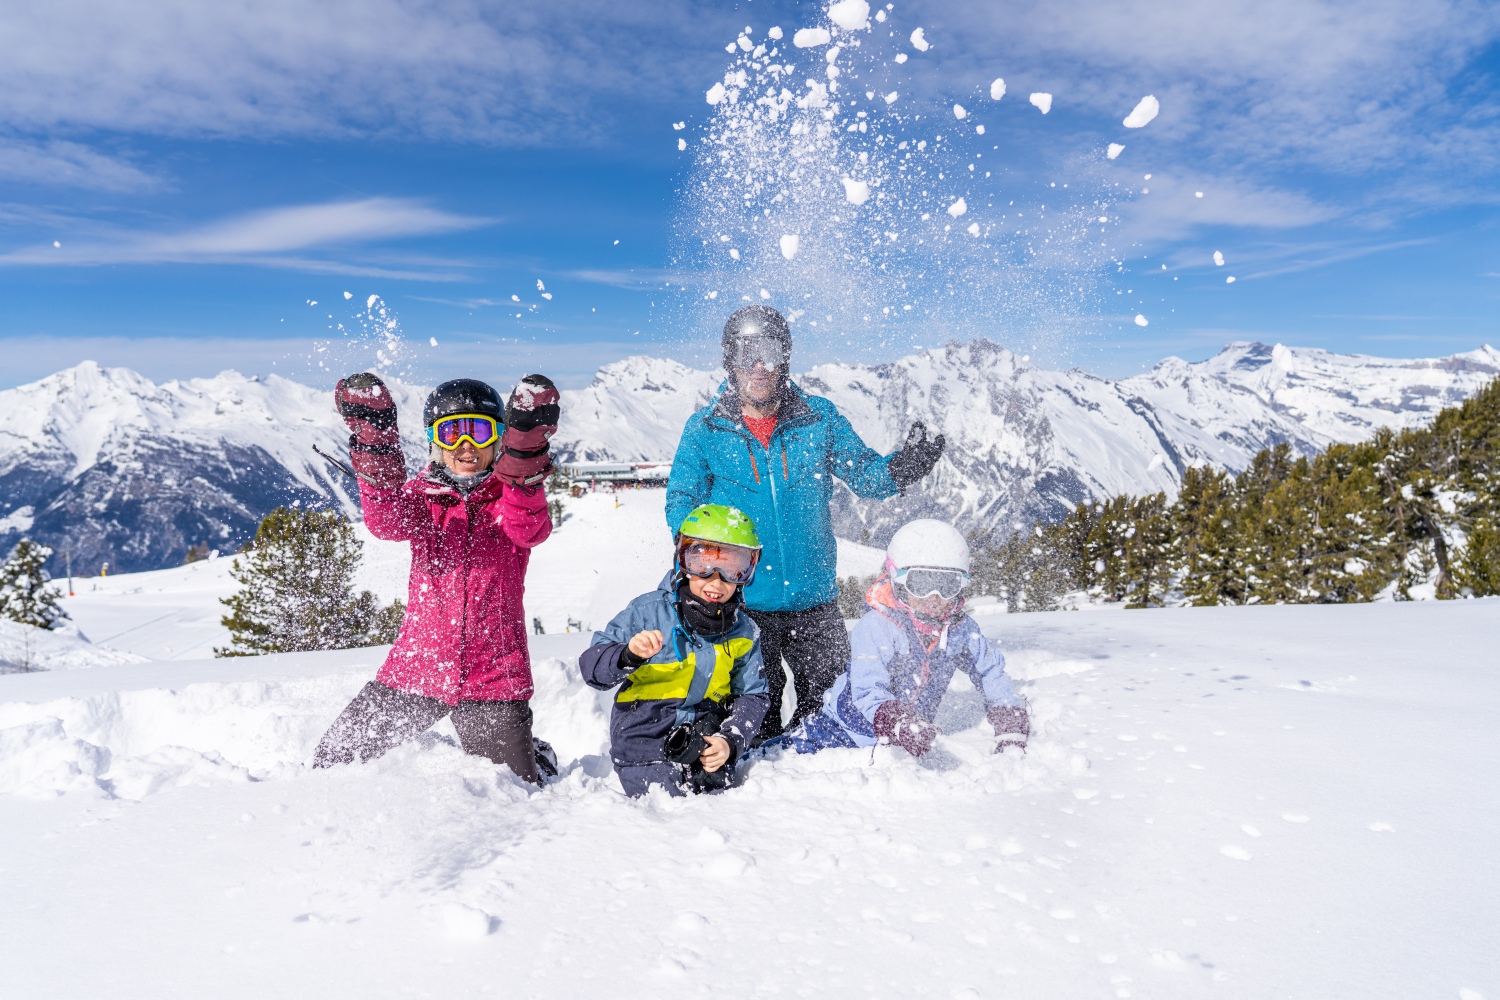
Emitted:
<point x="814" y="188"/>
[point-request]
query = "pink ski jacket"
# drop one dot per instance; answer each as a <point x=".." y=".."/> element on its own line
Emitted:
<point x="464" y="635"/>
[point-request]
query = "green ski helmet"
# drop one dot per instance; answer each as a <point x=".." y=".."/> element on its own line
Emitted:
<point x="715" y="538"/>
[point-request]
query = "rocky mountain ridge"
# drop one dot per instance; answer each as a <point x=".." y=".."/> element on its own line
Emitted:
<point x="125" y="471"/>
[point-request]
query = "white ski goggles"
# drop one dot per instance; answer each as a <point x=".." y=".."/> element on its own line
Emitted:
<point x="924" y="581"/>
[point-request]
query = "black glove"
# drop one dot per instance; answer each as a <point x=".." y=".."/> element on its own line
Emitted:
<point x="917" y="457"/>
<point x="629" y="662"/>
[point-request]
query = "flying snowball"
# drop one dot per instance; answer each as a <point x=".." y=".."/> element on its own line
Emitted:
<point x="958" y="208"/>
<point x="1229" y="280"/>
<point x="432" y="341"/>
<point x="901" y="57"/>
<point x="734" y="254"/>
<point x="807" y="38"/>
<point x="1141" y="320"/>
<point x="1219" y="258"/>
<point x="1197" y="194"/>
<point x="348" y="296"/>
<point x="919" y="41"/>
<point x="681" y="144"/>
<point x="1115" y="149"/>
<point x="856" y="192"/>
<point x="979" y="129"/>
<point x="997" y="89"/>
<point x="851" y="15"/>
<point x="960" y="112"/>
<point x="789" y="245"/>
<point x="775" y="32"/>
<point x="539" y="286"/>
<point x="891" y="97"/>
<point x="1143" y="113"/>
<point x="1043" y="102"/>
<point x="715" y="93"/>
<point x="973" y="229"/>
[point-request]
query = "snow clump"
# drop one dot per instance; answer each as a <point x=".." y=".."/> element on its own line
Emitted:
<point x="919" y="41"/>
<point x="960" y="112"/>
<point x="1219" y="258"/>
<point x="715" y="93"/>
<point x="1141" y="116"/>
<point x="1115" y="149"/>
<point x="851" y="15"/>
<point x="789" y="245"/>
<point x="1141" y="320"/>
<point x="1042" y="101"/>
<point x="856" y="192"/>
<point x="997" y="89"/>
<point x="807" y="38"/>
<point x="958" y="208"/>
<point x="973" y="229"/>
<point x="775" y="32"/>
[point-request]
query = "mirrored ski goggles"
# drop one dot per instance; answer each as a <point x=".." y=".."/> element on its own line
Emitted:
<point x="733" y="563"/>
<point x="746" y="352"/>
<point x="921" y="582"/>
<point x="450" y="432"/>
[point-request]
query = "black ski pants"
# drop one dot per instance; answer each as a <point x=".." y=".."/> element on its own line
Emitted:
<point x="380" y="718"/>
<point x="815" y="644"/>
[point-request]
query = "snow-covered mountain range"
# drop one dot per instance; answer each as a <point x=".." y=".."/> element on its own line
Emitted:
<point x="1026" y="443"/>
<point x="125" y="471"/>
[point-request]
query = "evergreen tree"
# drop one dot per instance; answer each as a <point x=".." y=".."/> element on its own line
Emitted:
<point x="24" y="594"/>
<point x="296" y="589"/>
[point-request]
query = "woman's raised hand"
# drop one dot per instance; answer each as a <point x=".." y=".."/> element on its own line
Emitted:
<point x="369" y="410"/>
<point x="531" y="418"/>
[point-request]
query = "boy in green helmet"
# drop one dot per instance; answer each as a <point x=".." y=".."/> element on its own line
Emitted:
<point x="687" y="662"/>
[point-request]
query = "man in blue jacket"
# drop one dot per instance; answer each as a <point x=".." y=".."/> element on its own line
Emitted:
<point x="770" y="449"/>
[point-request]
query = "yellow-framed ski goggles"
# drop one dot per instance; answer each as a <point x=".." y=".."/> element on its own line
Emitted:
<point x="476" y="428"/>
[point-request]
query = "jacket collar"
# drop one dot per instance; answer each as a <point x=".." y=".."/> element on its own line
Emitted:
<point x="437" y="485"/>
<point x="726" y="406"/>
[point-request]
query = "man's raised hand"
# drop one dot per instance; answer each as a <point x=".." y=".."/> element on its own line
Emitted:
<point x="917" y="457"/>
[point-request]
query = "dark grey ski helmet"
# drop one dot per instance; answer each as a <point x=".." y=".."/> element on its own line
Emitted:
<point x="462" y="395"/>
<point x="757" y="333"/>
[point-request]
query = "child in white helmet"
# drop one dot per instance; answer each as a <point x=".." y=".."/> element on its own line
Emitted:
<point x="905" y="650"/>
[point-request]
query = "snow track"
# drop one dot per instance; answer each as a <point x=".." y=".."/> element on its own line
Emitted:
<point x="1233" y="802"/>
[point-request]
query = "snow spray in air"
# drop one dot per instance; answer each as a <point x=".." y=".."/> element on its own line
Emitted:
<point x="874" y="224"/>
<point x="370" y="341"/>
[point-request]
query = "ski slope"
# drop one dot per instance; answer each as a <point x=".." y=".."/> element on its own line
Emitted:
<point x="1235" y="802"/>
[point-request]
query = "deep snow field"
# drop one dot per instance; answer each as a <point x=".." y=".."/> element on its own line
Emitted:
<point x="1228" y="802"/>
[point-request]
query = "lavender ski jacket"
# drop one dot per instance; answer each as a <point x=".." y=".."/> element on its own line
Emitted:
<point x="464" y="634"/>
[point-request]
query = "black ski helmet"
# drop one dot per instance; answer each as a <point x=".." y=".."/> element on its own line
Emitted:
<point x="756" y="321"/>
<point x="462" y="395"/>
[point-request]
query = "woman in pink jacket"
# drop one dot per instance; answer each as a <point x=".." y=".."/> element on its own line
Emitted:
<point x="472" y="518"/>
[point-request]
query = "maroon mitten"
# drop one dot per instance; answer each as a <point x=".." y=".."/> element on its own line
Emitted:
<point x="374" y="441"/>
<point x="897" y="723"/>
<point x="531" y="418"/>
<point x="1012" y="726"/>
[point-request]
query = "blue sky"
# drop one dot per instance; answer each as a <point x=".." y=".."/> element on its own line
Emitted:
<point x="180" y="181"/>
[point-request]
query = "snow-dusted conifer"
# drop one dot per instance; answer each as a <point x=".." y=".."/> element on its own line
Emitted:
<point x="296" y="589"/>
<point x="24" y="594"/>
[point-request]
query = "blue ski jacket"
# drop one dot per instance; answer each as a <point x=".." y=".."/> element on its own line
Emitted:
<point x="786" y="488"/>
<point x="688" y="673"/>
<point x="892" y="660"/>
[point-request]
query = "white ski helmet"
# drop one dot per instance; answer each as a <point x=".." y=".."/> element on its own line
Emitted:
<point x="928" y="543"/>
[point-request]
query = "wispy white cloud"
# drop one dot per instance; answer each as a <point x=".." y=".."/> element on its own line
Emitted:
<point x="519" y="71"/>
<point x="278" y="237"/>
<point x="70" y="164"/>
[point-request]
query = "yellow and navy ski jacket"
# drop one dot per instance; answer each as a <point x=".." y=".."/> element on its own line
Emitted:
<point x="691" y="673"/>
